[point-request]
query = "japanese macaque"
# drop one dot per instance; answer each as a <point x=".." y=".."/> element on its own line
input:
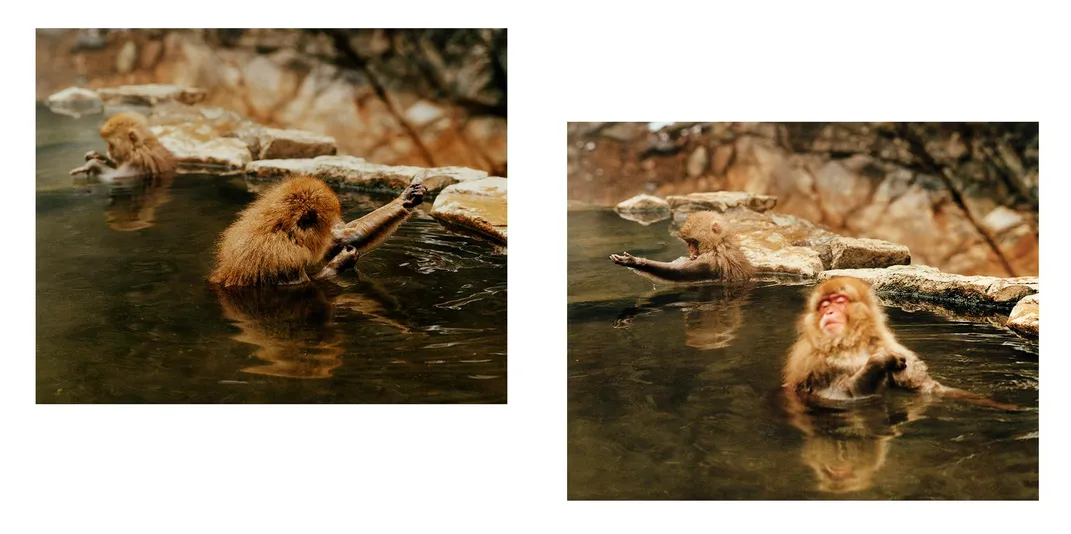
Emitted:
<point x="713" y="254"/>
<point x="293" y="225"/>
<point x="132" y="150"/>
<point x="846" y="351"/>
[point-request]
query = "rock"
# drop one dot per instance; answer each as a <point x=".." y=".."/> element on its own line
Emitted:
<point x="355" y="173"/>
<point x="720" y="201"/>
<point x="929" y="283"/>
<point x="801" y="261"/>
<point x="643" y="203"/>
<point x="645" y="218"/>
<point x="127" y="56"/>
<point x="859" y="253"/>
<point x="423" y="113"/>
<point x="723" y="155"/>
<point x="1001" y="218"/>
<point x="150" y="95"/>
<point x="150" y="54"/>
<point x="1024" y="316"/>
<point x="75" y="102"/>
<point x="198" y="151"/>
<point x="477" y="208"/>
<point x="697" y="162"/>
<point x="273" y="143"/>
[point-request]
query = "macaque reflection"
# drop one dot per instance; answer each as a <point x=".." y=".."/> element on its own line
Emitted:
<point x="132" y="201"/>
<point x="293" y="326"/>
<point x="712" y="314"/>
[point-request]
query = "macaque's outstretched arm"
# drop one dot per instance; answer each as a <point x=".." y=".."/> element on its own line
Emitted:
<point x="345" y="259"/>
<point x="96" y="163"/>
<point x="680" y="270"/>
<point x="373" y="229"/>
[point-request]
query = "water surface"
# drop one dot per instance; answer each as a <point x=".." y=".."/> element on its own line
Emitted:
<point x="124" y="312"/>
<point x="673" y="394"/>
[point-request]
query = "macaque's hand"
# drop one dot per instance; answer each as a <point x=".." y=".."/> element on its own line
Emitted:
<point x="93" y="154"/>
<point x="345" y="259"/>
<point x="92" y="166"/>
<point x="893" y="362"/>
<point x="413" y="195"/>
<point x="624" y="258"/>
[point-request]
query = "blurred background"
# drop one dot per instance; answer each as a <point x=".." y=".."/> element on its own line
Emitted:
<point x="397" y="97"/>
<point x="962" y="196"/>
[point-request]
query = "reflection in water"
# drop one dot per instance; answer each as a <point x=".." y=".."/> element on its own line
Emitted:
<point x="292" y="326"/>
<point x="846" y="446"/>
<point x="712" y="313"/>
<point x="132" y="200"/>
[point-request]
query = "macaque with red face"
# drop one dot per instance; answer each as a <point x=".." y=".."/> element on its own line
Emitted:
<point x="845" y="350"/>
<point x="132" y="150"/>
<point x="713" y="254"/>
<point x="294" y="225"/>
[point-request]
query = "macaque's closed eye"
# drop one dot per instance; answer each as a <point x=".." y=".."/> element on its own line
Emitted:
<point x="834" y="299"/>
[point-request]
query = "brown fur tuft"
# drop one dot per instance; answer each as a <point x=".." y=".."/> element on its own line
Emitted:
<point x="280" y="234"/>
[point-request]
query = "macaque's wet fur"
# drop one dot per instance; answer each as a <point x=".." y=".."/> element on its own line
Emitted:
<point x="713" y="254"/>
<point x="279" y="235"/>
<point x="293" y="225"/>
<point x="132" y="149"/>
<point x="845" y="350"/>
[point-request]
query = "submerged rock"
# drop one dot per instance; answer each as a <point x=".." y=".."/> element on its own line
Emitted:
<point x="150" y="95"/>
<point x="644" y="209"/>
<point x="200" y="152"/>
<point x="720" y="201"/>
<point x="1024" y="316"/>
<point x="356" y="173"/>
<point x="75" y="102"/>
<point x="476" y="208"/>
<point x="929" y="283"/>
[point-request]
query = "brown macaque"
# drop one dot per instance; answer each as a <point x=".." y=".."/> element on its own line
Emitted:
<point x="713" y="254"/>
<point x="846" y="351"/>
<point x="293" y="225"/>
<point x="132" y="150"/>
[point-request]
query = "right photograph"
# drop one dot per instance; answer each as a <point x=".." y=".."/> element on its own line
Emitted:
<point x="795" y="311"/>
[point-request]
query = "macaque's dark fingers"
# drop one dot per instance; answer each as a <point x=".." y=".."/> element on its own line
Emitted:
<point x="414" y="195"/>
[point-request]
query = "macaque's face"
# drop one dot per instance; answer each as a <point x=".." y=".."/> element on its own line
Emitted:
<point x="832" y="313"/>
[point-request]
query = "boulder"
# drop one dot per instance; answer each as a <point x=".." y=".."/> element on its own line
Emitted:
<point x="476" y="208"/>
<point x="355" y="173"/>
<point x="859" y="253"/>
<point x="199" y="152"/>
<point x="799" y="261"/>
<point x="75" y="102"/>
<point x="150" y="95"/>
<point x="1024" y="316"/>
<point x="929" y="283"/>
<point x="273" y="143"/>
<point x="640" y="203"/>
<point x="720" y="201"/>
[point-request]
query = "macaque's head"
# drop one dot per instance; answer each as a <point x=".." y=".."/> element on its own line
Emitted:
<point x="842" y="308"/>
<point x="703" y="231"/>
<point x="305" y="211"/>
<point x="125" y="133"/>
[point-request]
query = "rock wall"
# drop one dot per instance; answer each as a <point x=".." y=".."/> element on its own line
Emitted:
<point x="962" y="197"/>
<point x="398" y="97"/>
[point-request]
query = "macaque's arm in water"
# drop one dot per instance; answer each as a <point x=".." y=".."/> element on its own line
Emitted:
<point x="679" y="270"/>
<point x="372" y="230"/>
<point x="345" y="259"/>
<point x="869" y="380"/>
<point x="96" y="163"/>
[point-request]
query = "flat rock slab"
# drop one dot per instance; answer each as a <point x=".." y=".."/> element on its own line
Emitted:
<point x="798" y="261"/>
<point x="273" y="143"/>
<point x="645" y="218"/>
<point x="642" y="203"/>
<point x="1024" y="316"/>
<point x="476" y="208"/>
<point x="150" y="95"/>
<point x="75" y="102"/>
<point x="720" y="201"/>
<point x="929" y="283"/>
<point x="355" y="173"/>
<point x="861" y="253"/>
<point x="199" y="152"/>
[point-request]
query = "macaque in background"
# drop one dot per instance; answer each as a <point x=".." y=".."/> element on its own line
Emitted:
<point x="846" y="351"/>
<point x="713" y="254"/>
<point x="293" y="225"/>
<point x="132" y="150"/>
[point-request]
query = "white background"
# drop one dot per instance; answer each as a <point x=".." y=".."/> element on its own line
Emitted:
<point x="232" y="469"/>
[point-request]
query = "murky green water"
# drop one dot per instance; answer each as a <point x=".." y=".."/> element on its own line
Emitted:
<point x="673" y="394"/>
<point x="124" y="312"/>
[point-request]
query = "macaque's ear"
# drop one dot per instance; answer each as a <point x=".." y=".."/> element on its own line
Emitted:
<point x="715" y="227"/>
<point x="133" y="136"/>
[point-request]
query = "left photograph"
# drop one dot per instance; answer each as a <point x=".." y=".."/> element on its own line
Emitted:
<point x="271" y="216"/>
